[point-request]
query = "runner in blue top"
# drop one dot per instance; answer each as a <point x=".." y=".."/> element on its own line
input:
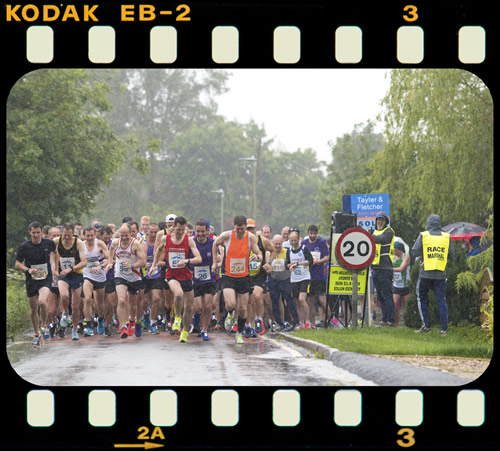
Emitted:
<point x="204" y="280"/>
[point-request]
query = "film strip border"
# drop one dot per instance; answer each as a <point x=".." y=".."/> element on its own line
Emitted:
<point x="286" y="408"/>
<point x="286" y="45"/>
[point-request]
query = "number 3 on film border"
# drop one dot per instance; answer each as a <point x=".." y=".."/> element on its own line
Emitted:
<point x="411" y="15"/>
<point x="408" y="438"/>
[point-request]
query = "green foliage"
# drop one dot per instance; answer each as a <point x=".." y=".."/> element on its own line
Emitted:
<point x="439" y="140"/>
<point x="350" y="155"/>
<point x="487" y="309"/>
<point x="18" y="309"/>
<point x="60" y="149"/>
<point x="195" y="151"/>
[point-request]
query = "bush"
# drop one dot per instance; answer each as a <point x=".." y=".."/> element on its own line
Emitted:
<point x="18" y="309"/>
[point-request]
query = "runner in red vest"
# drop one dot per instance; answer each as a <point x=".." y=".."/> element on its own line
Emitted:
<point x="180" y="251"/>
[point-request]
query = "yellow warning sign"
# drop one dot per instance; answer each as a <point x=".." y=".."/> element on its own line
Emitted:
<point x="341" y="281"/>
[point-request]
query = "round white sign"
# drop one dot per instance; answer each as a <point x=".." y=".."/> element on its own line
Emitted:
<point x="355" y="248"/>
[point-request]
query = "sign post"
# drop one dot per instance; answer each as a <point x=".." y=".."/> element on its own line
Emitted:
<point x="355" y="251"/>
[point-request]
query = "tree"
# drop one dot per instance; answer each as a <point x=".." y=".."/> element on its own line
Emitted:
<point x="438" y="156"/>
<point x="347" y="172"/>
<point x="60" y="148"/>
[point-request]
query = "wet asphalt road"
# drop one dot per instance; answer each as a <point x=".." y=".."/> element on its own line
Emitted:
<point x="160" y="360"/>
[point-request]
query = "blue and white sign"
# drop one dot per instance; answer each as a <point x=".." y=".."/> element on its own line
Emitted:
<point x="366" y="207"/>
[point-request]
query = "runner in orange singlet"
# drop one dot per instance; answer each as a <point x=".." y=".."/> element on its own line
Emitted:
<point x="235" y="276"/>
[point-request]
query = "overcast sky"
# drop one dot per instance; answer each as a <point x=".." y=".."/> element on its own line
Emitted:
<point x="301" y="108"/>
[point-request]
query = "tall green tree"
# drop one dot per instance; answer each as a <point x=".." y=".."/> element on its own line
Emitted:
<point x="438" y="156"/>
<point x="60" y="148"/>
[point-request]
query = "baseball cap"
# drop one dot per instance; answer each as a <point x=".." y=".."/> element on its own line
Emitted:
<point x="97" y="226"/>
<point x="170" y="218"/>
<point x="251" y="223"/>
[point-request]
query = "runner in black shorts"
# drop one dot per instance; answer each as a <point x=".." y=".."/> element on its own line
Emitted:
<point x="72" y="260"/>
<point x="37" y="259"/>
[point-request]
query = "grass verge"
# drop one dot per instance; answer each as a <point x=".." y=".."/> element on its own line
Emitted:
<point x="462" y="341"/>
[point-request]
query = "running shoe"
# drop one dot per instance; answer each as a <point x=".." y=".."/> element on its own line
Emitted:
<point x="52" y="329"/>
<point x="138" y="329"/>
<point x="88" y="332"/>
<point x="423" y="330"/>
<point x="274" y="327"/>
<point x="154" y="330"/>
<point x="64" y="320"/>
<point x="45" y="333"/>
<point x="74" y="335"/>
<point x="184" y="337"/>
<point x="259" y="326"/>
<point x="239" y="339"/>
<point x="253" y="334"/>
<point x="213" y="321"/>
<point x="60" y="332"/>
<point x="247" y="331"/>
<point x="107" y="331"/>
<point x="100" y="326"/>
<point x="131" y="328"/>
<point x="235" y="328"/>
<point x="124" y="333"/>
<point x="228" y="323"/>
<point x="176" y="326"/>
<point x="147" y="319"/>
<point x="204" y="335"/>
<point x="308" y="325"/>
<point x="36" y="341"/>
<point x="443" y="333"/>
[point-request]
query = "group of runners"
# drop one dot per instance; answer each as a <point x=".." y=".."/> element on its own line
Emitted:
<point x="149" y="276"/>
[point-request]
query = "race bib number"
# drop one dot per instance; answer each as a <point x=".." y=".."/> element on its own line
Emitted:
<point x="237" y="266"/>
<point x="202" y="272"/>
<point x="41" y="272"/>
<point x="299" y="270"/>
<point x="316" y="255"/>
<point x="278" y="265"/>
<point x="66" y="262"/>
<point x="398" y="276"/>
<point x="254" y="265"/>
<point x="124" y="270"/>
<point x="174" y="258"/>
<point x="93" y="264"/>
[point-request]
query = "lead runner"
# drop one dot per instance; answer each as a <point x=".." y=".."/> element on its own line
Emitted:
<point x="177" y="247"/>
<point x="235" y="275"/>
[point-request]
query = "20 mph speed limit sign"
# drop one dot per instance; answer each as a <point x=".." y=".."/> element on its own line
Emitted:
<point x="355" y="249"/>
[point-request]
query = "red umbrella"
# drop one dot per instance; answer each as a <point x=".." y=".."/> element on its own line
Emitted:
<point x="463" y="230"/>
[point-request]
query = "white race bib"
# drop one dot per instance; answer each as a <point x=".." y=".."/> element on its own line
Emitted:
<point x="174" y="258"/>
<point x="237" y="265"/>
<point x="202" y="272"/>
<point x="299" y="270"/>
<point x="278" y="265"/>
<point x="66" y="262"/>
<point x="41" y="272"/>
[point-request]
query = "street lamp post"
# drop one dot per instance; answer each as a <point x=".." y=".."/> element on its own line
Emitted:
<point x="221" y="192"/>
<point x="254" y="200"/>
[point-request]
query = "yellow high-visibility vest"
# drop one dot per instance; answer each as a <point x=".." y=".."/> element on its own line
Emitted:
<point x="435" y="250"/>
<point x="378" y="247"/>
